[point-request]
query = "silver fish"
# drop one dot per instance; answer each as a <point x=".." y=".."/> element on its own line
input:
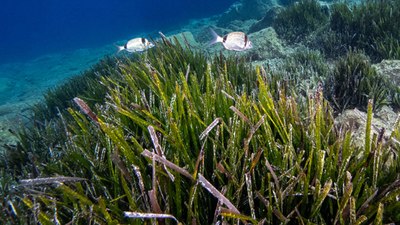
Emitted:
<point x="236" y="41"/>
<point x="136" y="45"/>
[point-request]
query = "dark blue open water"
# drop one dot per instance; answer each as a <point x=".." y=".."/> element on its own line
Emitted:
<point x="29" y="28"/>
<point x="44" y="42"/>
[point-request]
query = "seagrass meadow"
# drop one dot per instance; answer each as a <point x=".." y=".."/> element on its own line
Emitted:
<point x="369" y="25"/>
<point x="174" y="136"/>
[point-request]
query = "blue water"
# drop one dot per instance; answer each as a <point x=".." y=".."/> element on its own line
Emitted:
<point x="45" y="42"/>
<point x="29" y="29"/>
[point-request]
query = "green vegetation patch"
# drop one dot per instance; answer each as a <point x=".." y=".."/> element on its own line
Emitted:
<point x="354" y="81"/>
<point x="370" y="26"/>
<point x="299" y="20"/>
<point x="181" y="137"/>
<point x="299" y="75"/>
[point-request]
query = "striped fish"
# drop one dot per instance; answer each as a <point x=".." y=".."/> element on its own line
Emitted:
<point x="236" y="41"/>
<point x="136" y="45"/>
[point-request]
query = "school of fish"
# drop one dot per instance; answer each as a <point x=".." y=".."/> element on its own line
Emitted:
<point x="234" y="41"/>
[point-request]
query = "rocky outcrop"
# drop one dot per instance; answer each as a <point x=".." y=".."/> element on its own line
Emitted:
<point x="246" y="10"/>
<point x="266" y="45"/>
<point x="389" y="68"/>
<point x="266" y="21"/>
<point x="355" y="120"/>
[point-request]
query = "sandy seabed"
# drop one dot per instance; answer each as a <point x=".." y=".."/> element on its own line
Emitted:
<point x="23" y="84"/>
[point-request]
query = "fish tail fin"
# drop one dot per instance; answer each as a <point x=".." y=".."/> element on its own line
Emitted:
<point x="119" y="48"/>
<point x="216" y="37"/>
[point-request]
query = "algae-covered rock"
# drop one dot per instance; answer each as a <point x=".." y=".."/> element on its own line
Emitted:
<point x="200" y="28"/>
<point x="266" y="21"/>
<point x="12" y="115"/>
<point x="389" y="68"/>
<point x="266" y="45"/>
<point x="241" y="25"/>
<point x="6" y="137"/>
<point x="355" y="120"/>
<point x="245" y="10"/>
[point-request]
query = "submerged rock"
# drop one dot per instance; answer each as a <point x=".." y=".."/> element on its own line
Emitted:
<point x="239" y="25"/>
<point x="266" y="45"/>
<point x="355" y="120"/>
<point x="389" y="68"/>
<point x="200" y="28"/>
<point x="245" y="10"/>
<point x="266" y="21"/>
<point x="12" y="116"/>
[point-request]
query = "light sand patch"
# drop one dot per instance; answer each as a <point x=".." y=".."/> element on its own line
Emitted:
<point x="23" y="84"/>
